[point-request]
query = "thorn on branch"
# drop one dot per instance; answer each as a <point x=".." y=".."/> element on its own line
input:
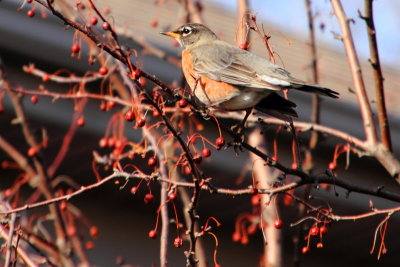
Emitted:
<point x="362" y="16"/>
<point x="351" y="90"/>
<point x="337" y="36"/>
<point x="351" y="20"/>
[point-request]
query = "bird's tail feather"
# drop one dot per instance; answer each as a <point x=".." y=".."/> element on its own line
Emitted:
<point x="277" y="106"/>
<point x="316" y="90"/>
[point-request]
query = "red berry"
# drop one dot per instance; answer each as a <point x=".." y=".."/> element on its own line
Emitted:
<point x="106" y="26"/>
<point x="30" y="13"/>
<point x="275" y="158"/>
<point x="134" y="189"/>
<point x="140" y="122"/>
<point x="110" y="105"/>
<point x="94" y="231"/>
<point x="287" y="200"/>
<point x="314" y="230"/>
<point x="111" y="142"/>
<point x="34" y="99"/>
<point x="182" y="103"/>
<point x="255" y="200"/>
<point x="156" y="113"/>
<point x="130" y="115"/>
<point x="152" y="161"/>
<point x="175" y="43"/>
<point x="294" y="166"/>
<point x="143" y="81"/>
<point x="152" y="233"/>
<point x="148" y="198"/>
<point x="332" y="166"/>
<point x="278" y="224"/>
<point x="178" y="242"/>
<point x="103" y="142"/>
<point x="71" y="230"/>
<point x="32" y="151"/>
<point x="206" y="152"/>
<point x="8" y="193"/>
<point x="220" y="141"/>
<point x="120" y="261"/>
<point x="251" y="229"/>
<point x="103" y="106"/>
<point x="305" y="250"/>
<point x="75" y="48"/>
<point x="243" y="46"/>
<point x="29" y="1"/>
<point x="103" y="70"/>
<point x="116" y="152"/>
<point x="63" y="205"/>
<point x="119" y="144"/>
<point x="187" y="170"/>
<point x="236" y="237"/>
<point x="172" y="196"/>
<point x="5" y="164"/>
<point x="81" y="121"/>
<point x="93" y="21"/>
<point x="154" y="23"/>
<point x="45" y="78"/>
<point x="89" y="245"/>
<point x="323" y="230"/>
<point x="106" y="10"/>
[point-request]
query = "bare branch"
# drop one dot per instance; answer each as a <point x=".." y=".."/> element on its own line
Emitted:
<point x="378" y="76"/>
<point x="20" y="251"/>
<point x="366" y="112"/>
<point x="264" y="177"/>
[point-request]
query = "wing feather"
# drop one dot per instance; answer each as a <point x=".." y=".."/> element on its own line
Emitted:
<point x="223" y="62"/>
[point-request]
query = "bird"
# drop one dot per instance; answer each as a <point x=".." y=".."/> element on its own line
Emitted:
<point x="228" y="78"/>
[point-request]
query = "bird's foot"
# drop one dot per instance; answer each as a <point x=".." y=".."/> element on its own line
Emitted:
<point x="237" y="147"/>
<point x="238" y="130"/>
<point x="238" y="138"/>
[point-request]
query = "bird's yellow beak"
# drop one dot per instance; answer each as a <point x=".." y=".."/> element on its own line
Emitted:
<point x="171" y="34"/>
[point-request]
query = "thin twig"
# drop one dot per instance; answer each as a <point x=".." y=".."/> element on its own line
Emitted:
<point x="378" y="191"/>
<point x="67" y="139"/>
<point x="378" y="76"/>
<point x="20" y="251"/>
<point x="41" y="177"/>
<point x="315" y="105"/>
<point x="264" y="177"/>
<point x="355" y="67"/>
<point x="11" y="233"/>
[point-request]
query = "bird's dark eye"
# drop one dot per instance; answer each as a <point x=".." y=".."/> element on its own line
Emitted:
<point x="186" y="30"/>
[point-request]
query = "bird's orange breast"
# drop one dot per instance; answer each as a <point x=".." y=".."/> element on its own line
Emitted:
<point x="208" y="91"/>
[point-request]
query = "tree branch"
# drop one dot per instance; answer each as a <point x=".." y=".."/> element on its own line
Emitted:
<point x="366" y="112"/>
<point x="377" y="70"/>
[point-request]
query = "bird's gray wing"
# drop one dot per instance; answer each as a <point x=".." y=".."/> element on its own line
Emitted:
<point x="223" y="62"/>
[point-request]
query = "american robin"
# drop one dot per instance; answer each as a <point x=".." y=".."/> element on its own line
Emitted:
<point x="226" y="77"/>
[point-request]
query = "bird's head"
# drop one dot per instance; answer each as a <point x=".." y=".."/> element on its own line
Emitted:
<point x="191" y="34"/>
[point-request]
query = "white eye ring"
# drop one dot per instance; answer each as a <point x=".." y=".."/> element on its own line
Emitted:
<point x="186" y="30"/>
